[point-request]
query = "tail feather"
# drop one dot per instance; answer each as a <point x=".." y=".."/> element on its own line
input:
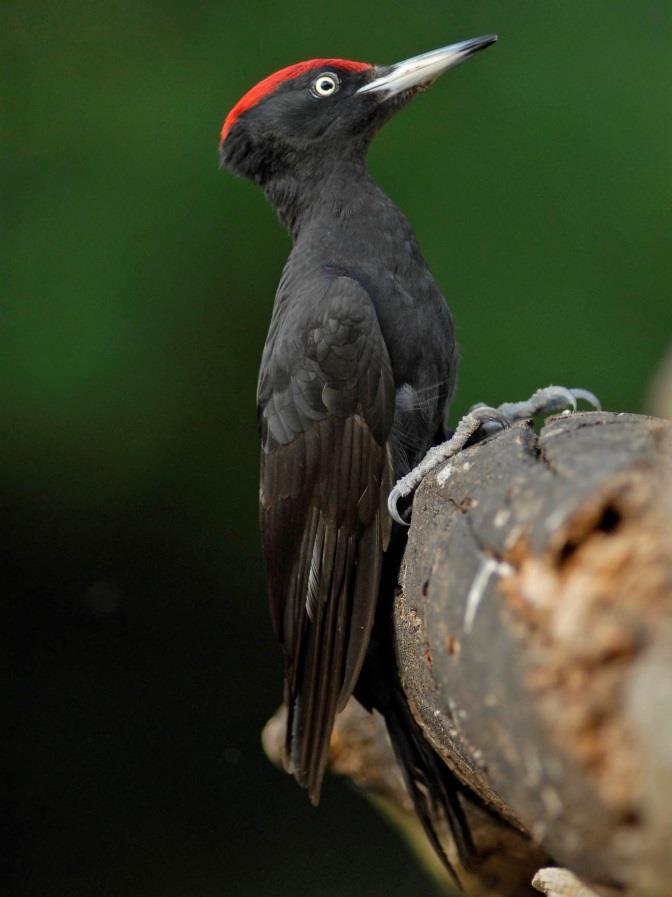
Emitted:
<point x="433" y="788"/>
<point x="333" y="643"/>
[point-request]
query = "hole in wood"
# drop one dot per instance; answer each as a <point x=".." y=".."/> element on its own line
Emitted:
<point x="608" y="522"/>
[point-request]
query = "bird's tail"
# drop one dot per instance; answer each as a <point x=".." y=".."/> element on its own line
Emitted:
<point x="433" y="788"/>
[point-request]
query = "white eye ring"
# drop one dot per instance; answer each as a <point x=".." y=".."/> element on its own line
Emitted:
<point x="325" y="85"/>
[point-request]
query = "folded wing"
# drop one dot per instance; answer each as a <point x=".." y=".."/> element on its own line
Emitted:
<point x="326" y="405"/>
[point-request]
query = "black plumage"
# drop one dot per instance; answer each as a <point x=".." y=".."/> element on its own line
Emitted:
<point x="356" y="375"/>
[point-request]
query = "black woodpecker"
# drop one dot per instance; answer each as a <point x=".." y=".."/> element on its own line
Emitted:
<point x="356" y="376"/>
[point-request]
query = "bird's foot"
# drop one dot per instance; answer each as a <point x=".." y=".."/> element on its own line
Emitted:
<point x="477" y="417"/>
<point x="481" y="421"/>
<point x="547" y="400"/>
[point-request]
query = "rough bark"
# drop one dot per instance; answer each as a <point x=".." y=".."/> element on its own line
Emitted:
<point x="534" y="628"/>
<point x="534" y="637"/>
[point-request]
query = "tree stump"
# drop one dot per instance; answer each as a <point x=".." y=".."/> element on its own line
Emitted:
<point x="533" y="623"/>
<point x="534" y="628"/>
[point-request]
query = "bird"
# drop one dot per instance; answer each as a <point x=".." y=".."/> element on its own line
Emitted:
<point x="355" y="381"/>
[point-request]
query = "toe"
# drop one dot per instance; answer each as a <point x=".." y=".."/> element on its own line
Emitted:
<point x="392" y="501"/>
<point x="587" y="396"/>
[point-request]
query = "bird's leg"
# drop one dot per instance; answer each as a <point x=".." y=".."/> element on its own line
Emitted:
<point x="476" y="418"/>
<point x="482" y="420"/>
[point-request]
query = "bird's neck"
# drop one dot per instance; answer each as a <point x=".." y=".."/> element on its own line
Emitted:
<point x="323" y="187"/>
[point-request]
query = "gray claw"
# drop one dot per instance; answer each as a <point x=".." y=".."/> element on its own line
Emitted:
<point x="588" y="397"/>
<point x="560" y="397"/>
<point x="484" y="414"/>
<point x="491" y="420"/>
<point x="392" y="499"/>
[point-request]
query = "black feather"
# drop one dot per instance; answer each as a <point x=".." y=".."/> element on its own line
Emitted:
<point x="325" y="412"/>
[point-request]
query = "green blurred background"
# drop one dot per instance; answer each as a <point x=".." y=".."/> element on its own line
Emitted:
<point x="137" y="286"/>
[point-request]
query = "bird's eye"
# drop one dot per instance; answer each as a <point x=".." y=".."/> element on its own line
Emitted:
<point x="325" y="84"/>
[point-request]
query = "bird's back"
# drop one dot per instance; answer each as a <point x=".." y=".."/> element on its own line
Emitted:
<point x="362" y="234"/>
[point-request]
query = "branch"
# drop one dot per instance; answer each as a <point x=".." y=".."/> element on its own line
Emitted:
<point x="361" y="751"/>
<point x="555" y="882"/>
<point x="534" y="638"/>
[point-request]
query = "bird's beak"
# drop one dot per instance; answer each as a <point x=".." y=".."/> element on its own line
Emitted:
<point x="421" y="71"/>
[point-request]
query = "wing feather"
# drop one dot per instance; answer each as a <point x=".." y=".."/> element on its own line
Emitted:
<point x="326" y="407"/>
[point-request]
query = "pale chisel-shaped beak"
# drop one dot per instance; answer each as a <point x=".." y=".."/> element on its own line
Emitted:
<point x="421" y="71"/>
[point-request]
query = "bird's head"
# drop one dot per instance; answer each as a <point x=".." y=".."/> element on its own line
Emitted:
<point x="325" y="108"/>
